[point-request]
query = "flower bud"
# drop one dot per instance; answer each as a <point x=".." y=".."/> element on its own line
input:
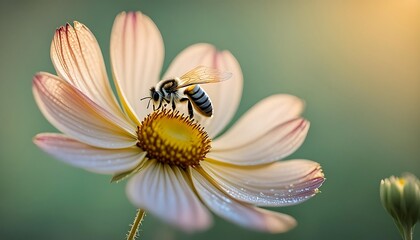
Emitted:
<point x="400" y="196"/>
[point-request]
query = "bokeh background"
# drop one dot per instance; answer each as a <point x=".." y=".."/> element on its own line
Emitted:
<point x="355" y="63"/>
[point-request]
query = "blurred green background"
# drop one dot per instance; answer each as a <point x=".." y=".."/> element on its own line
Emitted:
<point x="355" y="63"/>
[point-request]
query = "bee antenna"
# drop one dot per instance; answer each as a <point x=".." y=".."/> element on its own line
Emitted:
<point x="148" y="103"/>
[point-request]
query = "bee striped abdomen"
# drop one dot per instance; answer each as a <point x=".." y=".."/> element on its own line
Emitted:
<point x="200" y="100"/>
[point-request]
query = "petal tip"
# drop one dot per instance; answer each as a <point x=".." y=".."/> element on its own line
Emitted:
<point x="41" y="138"/>
<point x="37" y="139"/>
<point x="276" y="226"/>
<point x="36" y="78"/>
<point x="41" y="77"/>
<point x="78" y="25"/>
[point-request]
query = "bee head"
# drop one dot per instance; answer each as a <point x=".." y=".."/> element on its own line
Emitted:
<point x="155" y="94"/>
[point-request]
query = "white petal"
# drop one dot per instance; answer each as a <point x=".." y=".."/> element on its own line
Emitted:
<point x="278" y="143"/>
<point x="98" y="160"/>
<point x="136" y="58"/>
<point x="166" y="192"/>
<point x="240" y="213"/>
<point x="260" y="120"/>
<point x="77" y="59"/>
<point x="70" y="111"/>
<point x="225" y="96"/>
<point x="277" y="184"/>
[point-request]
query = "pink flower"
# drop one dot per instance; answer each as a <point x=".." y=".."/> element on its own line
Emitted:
<point x="179" y="169"/>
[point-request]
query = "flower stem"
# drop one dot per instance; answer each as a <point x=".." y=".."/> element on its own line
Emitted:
<point x="408" y="233"/>
<point x="132" y="234"/>
<point x="406" y="230"/>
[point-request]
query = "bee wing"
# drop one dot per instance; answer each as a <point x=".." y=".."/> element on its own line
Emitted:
<point x="201" y="75"/>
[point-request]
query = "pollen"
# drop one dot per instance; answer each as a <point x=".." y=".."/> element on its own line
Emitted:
<point x="173" y="138"/>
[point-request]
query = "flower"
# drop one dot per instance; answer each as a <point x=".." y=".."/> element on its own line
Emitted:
<point x="400" y="196"/>
<point x="179" y="168"/>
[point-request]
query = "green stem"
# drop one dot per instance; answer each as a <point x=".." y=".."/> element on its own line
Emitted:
<point x="132" y="234"/>
<point x="408" y="233"/>
<point x="406" y="230"/>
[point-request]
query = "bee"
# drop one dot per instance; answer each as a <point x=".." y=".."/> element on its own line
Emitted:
<point x="187" y="89"/>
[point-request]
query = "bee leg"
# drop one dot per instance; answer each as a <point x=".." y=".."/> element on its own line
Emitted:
<point x="190" y="107"/>
<point x="163" y="103"/>
<point x="173" y="105"/>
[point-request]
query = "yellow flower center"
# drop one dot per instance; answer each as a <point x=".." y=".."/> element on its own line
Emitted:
<point x="172" y="138"/>
<point x="401" y="181"/>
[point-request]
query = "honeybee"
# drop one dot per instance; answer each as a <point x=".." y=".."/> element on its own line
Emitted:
<point x="186" y="89"/>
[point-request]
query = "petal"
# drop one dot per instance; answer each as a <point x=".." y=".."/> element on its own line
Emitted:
<point x="136" y="58"/>
<point x="260" y="120"/>
<point x="77" y="59"/>
<point x="240" y="213"/>
<point x="166" y="192"/>
<point x="277" y="184"/>
<point x="70" y="111"/>
<point x="225" y="96"/>
<point x="278" y="143"/>
<point x="98" y="160"/>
